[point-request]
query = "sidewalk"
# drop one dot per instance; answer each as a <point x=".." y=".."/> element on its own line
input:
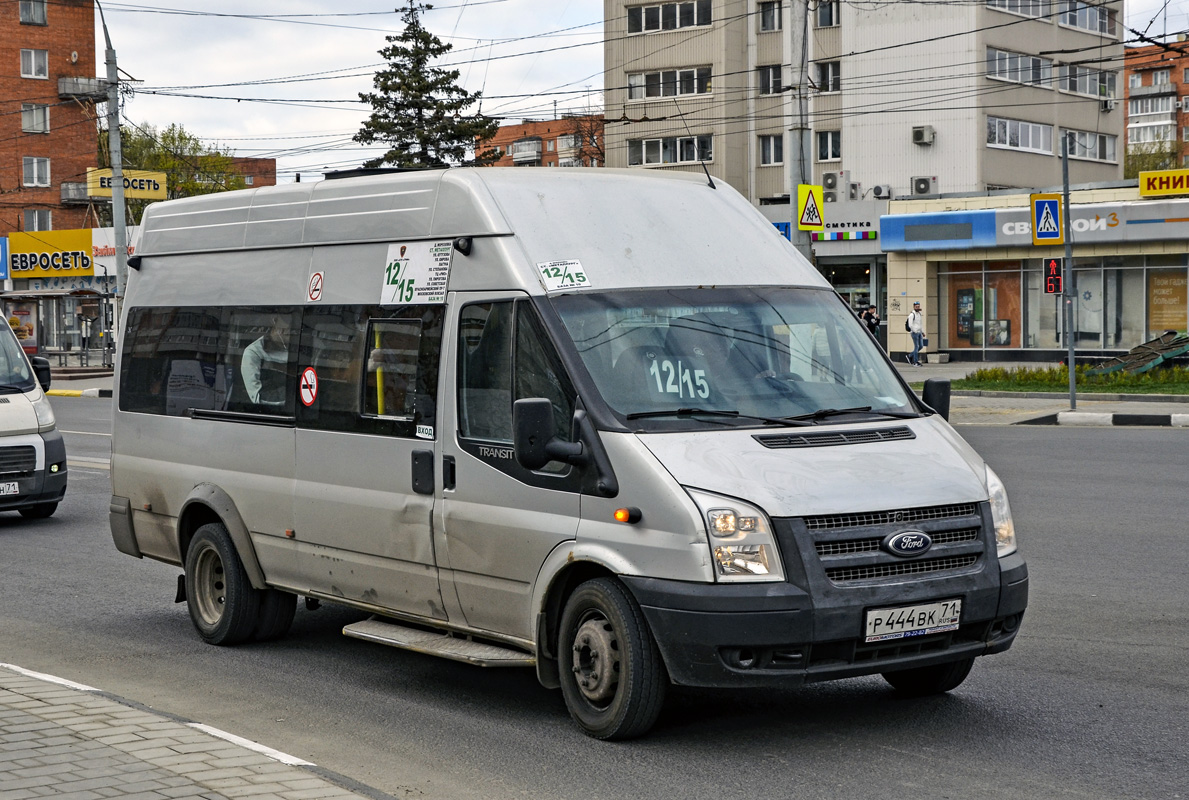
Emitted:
<point x="67" y="741"/>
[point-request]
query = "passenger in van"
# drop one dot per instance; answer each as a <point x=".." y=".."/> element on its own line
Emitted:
<point x="263" y="365"/>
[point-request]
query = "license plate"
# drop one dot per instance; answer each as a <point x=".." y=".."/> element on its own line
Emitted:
<point x="9" y="488"/>
<point x="900" y="623"/>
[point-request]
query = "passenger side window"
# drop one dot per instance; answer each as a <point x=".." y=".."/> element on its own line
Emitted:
<point x="260" y="350"/>
<point x="169" y="362"/>
<point x="390" y="387"/>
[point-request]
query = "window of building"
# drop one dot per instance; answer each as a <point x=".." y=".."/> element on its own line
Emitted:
<point x="1185" y="76"/>
<point x="1087" y="16"/>
<point x="35" y="63"/>
<point x="829" y="76"/>
<point x="1159" y="133"/>
<point x="1019" y="135"/>
<point x="33" y="12"/>
<point x="670" y="150"/>
<point x="770" y="16"/>
<point x="827" y="13"/>
<point x="35" y="118"/>
<point x="772" y="149"/>
<point x="1139" y="106"/>
<point x="567" y="141"/>
<point x="1027" y="8"/>
<point x="669" y="83"/>
<point x="1087" y="81"/>
<point x="1090" y="145"/>
<point x="829" y="145"/>
<point x="249" y="180"/>
<point x="1185" y="133"/>
<point x="1160" y="77"/>
<point x="36" y="171"/>
<point x="668" y="16"/>
<point x="770" y="79"/>
<point x="1135" y="80"/>
<point x="37" y="219"/>
<point x="1018" y="68"/>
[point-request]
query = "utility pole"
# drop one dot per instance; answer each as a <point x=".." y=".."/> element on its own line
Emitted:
<point x="1067" y="282"/>
<point x="117" y="172"/>
<point x="800" y="139"/>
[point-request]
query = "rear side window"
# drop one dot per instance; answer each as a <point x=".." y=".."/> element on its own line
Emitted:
<point x="170" y="361"/>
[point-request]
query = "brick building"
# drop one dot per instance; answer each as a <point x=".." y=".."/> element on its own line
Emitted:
<point x="567" y="142"/>
<point x="48" y="133"/>
<point x="1157" y="80"/>
<point x="256" y="171"/>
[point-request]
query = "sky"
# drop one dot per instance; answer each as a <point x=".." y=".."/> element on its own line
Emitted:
<point x="199" y="63"/>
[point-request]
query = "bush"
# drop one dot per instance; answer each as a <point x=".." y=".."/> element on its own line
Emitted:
<point x="1161" y="380"/>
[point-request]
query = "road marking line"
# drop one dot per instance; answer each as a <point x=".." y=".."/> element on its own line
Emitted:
<point x="276" y="755"/>
<point x="88" y="463"/>
<point x="41" y="676"/>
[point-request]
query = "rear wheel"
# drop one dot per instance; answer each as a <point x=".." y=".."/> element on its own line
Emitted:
<point x="223" y="605"/>
<point x="612" y="675"/>
<point x="937" y="679"/>
<point x="275" y="615"/>
<point x="39" y="511"/>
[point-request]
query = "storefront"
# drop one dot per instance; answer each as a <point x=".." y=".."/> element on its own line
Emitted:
<point x="847" y="252"/>
<point x="970" y="261"/>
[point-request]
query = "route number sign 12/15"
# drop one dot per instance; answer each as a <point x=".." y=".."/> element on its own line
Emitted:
<point x="1052" y="276"/>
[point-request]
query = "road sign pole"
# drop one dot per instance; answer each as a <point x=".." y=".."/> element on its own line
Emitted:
<point x="1067" y="281"/>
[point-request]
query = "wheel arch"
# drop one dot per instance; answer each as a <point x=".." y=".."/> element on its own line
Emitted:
<point x="208" y="503"/>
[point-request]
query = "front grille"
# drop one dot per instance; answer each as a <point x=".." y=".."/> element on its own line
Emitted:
<point x="833" y="522"/>
<point x="869" y="545"/>
<point x="780" y="441"/>
<point x="899" y="568"/>
<point x="17" y="460"/>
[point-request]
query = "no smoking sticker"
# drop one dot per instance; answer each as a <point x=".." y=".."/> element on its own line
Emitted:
<point x="308" y="386"/>
<point x="314" y="290"/>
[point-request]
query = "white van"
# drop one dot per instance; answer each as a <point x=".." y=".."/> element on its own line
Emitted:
<point x="32" y="453"/>
<point x="607" y="424"/>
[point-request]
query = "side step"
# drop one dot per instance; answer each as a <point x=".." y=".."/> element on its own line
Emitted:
<point x="438" y="644"/>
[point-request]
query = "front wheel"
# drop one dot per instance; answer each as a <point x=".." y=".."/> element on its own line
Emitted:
<point x="223" y="605"/>
<point x="39" y="511"/>
<point x="921" y="681"/>
<point x="612" y="675"/>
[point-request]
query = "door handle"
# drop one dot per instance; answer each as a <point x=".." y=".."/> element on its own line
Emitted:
<point x="448" y="472"/>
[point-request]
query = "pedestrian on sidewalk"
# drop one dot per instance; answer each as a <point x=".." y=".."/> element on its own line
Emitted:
<point x="915" y="325"/>
<point x="870" y="318"/>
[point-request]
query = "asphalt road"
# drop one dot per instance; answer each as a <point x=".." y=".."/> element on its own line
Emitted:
<point x="1092" y="702"/>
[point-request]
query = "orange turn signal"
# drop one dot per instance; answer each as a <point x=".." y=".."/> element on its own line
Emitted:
<point x="630" y="515"/>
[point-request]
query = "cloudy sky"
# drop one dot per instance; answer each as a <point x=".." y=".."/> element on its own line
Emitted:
<point x="282" y="79"/>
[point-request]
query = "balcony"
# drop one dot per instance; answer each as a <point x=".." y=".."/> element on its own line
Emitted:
<point x="1152" y="91"/>
<point x="74" y="193"/>
<point x="82" y="89"/>
<point x="526" y="151"/>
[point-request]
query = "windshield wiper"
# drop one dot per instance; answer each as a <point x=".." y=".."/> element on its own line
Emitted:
<point x="8" y="388"/>
<point x="790" y="422"/>
<point x="822" y="413"/>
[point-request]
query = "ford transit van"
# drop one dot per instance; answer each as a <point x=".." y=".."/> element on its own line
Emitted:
<point x="605" y="424"/>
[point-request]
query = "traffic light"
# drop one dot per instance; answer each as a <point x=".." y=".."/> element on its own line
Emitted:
<point x="1052" y="276"/>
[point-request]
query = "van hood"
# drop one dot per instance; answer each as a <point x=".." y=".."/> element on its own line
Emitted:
<point x="933" y="467"/>
<point x="17" y="415"/>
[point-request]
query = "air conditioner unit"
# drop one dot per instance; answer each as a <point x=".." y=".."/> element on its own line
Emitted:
<point x="1108" y="105"/>
<point x="829" y="196"/>
<point x="881" y="191"/>
<point x="924" y="184"/>
<point x="923" y="134"/>
<point x="835" y="180"/>
<point x="854" y="191"/>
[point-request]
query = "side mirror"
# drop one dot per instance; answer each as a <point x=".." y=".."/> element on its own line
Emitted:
<point x="937" y="396"/>
<point x="532" y="436"/>
<point x="41" y="368"/>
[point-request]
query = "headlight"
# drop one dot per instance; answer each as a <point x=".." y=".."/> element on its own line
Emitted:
<point x="1005" y="531"/>
<point x="741" y="539"/>
<point x="45" y="414"/>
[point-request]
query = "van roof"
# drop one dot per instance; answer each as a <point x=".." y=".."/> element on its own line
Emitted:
<point x="628" y="228"/>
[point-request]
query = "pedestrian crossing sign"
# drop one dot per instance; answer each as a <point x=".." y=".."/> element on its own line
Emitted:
<point x="809" y="208"/>
<point x="1047" y="224"/>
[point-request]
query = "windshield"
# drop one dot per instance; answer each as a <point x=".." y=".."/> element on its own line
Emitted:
<point x="660" y="357"/>
<point x="15" y="374"/>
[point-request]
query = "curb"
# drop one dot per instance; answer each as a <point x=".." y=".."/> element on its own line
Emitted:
<point x="79" y="392"/>
<point x="1094" y="418"/>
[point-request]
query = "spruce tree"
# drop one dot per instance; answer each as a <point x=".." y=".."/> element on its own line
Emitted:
<point x="418" y="108"/>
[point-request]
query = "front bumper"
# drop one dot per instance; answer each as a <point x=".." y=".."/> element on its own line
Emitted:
<point x="740" y="635"/>
<point x="44" y="484"/>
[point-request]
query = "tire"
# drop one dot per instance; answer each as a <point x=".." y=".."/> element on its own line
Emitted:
<point x="923" y="681"/>
<point x="275" y="615"/>
<point x="39" y="511"/>
<point x="602" y="625"/>
<point x="223" y="605"/>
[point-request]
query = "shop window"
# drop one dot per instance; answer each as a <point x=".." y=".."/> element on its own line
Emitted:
<point x="1168" y="298"/>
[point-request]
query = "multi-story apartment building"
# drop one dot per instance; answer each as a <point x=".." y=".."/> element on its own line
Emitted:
<point x="575" y="141"/>
<point x="904" y="98"/>
<point x="256" y="172"/>
<point x="47" y="113"/>
<point x="1157" y="106"/>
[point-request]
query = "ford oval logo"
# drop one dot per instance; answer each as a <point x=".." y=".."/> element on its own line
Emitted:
<point x="908" y="543"/>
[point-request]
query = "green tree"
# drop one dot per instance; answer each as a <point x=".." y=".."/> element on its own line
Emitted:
<point x="418" y="108"/>
<point x="191" y="166"/>
<point x="1151" y="157"/>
